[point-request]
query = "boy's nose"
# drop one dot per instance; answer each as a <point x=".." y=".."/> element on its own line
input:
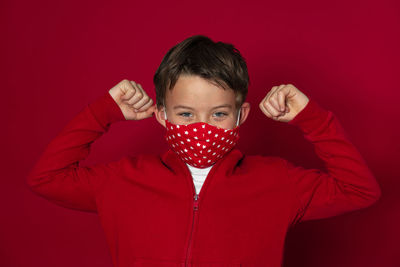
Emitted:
<point x="204" y="120"/>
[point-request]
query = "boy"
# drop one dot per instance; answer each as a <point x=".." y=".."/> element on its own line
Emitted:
<point x="151" y="207"/>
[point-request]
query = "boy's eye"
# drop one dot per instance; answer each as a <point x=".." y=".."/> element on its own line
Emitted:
<point x="220" y="114"/>
<point x="185" y="114"/>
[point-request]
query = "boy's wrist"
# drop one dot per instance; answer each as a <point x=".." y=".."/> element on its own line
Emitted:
<point x="106" y="110"/>
<point x="310" y="117"/>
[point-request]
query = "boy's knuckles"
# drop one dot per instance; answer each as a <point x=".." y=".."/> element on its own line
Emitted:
<point x="143" y="107"/>
<point x="146" y="106"/>
<point x="271" y="100"/>
<point x="272" y="110"/>
<point x="291" y="86"/>
<point x="274" y="103"/>
<point x="267" y="114"/>
<point x="139" y="95"/>
<point x="126" y="84"/>
<point x="132" y="100"/>
<point x="139" y="104"/>
<point x="130" y="93"/>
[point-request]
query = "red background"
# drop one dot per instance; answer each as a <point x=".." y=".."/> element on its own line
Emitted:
<point x="58" y="56"/>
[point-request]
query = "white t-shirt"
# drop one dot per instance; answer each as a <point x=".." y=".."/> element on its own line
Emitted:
<point x="199" y="176"/>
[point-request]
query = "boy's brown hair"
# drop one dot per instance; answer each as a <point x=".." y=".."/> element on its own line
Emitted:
<point x="218" y="62"/>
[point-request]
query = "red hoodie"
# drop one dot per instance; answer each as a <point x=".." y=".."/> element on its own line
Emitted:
<point x="147" y="207"/>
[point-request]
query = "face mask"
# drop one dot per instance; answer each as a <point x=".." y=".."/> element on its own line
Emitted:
<point x="200" y="144"/>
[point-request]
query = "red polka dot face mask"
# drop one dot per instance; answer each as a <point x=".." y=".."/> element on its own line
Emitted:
<point x="200" y="144"/>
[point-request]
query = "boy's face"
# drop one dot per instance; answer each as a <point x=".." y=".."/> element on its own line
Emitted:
<point x="194" y="99"/>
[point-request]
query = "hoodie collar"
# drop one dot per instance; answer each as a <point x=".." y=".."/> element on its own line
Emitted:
<point x="225" y="165"/>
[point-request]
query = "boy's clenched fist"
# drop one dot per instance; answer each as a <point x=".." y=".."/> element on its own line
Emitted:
<point x="133" y="101"/>
<point x="283" y="103"/>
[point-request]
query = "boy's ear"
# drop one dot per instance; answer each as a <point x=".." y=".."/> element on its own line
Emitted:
<point x="159" y="114"/>
<point x="244" y="112"/>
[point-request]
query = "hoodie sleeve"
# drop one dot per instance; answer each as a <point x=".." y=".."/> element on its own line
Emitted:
<point x="348" y="183"/>
<point x="57" y="175"/>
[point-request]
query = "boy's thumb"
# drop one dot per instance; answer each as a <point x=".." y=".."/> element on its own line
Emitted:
<point x="151" y="110"/>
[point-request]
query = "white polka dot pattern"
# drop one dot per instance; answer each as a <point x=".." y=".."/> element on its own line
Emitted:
<point x="200" y="144"/>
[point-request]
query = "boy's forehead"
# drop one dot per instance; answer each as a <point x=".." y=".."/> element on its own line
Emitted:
<point x="197" y="91"/>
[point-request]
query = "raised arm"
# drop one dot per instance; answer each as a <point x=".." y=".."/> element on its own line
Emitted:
<point x="57" y="175"/>
<point x="348" y="183"/>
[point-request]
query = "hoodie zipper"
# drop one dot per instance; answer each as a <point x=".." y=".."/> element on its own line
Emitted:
<point x="195" y="211"/>
<point x="195" y="207"/>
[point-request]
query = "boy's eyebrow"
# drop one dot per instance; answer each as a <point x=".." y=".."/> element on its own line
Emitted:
<point x="223" y="106"/>
<point x="220" y="106"/>
<point x="185" y="107"/>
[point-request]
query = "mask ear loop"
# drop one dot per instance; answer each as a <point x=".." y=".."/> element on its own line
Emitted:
<point x="237" y="122"/>
<point x="165" y="113"/>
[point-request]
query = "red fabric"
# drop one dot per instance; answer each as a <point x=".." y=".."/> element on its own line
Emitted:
<point x="200" y="144"/>
<point x="146" y="205"/>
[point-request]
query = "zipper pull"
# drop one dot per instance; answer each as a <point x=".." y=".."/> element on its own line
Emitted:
<point x="196" y="203"/>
